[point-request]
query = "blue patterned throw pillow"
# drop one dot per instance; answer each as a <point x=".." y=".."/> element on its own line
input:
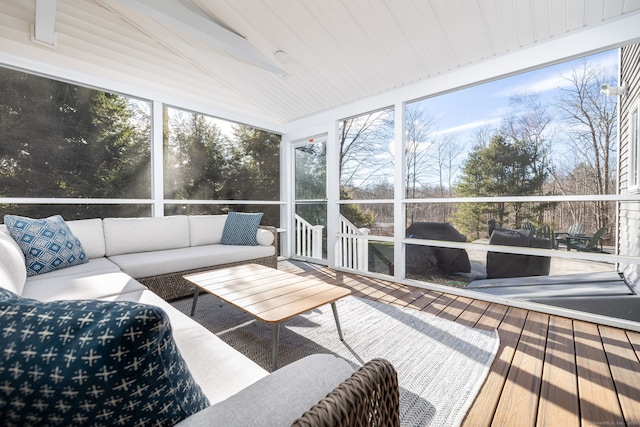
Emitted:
<point x="99" y="363"/>
<point x="48" y="244"/>
<point x="241" y="229"/>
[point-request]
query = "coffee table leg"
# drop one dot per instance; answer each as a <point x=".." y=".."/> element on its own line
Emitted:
<point x="335" y="316"/>
<point x="196" y="292"/>
<point x="276" y="341"/>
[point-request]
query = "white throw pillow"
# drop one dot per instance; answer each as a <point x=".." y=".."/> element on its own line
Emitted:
<point x="264" y="237"/>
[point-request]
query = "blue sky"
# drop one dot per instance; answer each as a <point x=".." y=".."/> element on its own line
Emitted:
<point x="465" y="111"/>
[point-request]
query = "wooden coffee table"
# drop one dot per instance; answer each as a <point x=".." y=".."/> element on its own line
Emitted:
<point x="269" y="295"/>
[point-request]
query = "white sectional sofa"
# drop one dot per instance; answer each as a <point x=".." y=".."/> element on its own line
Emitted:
<point x="157" y="252"/>
<point x="121" y="250"/>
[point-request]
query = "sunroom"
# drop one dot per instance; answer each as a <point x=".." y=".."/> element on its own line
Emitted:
<point x="360" y="129"/>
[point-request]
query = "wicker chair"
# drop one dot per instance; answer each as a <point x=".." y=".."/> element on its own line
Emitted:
<point x="370" y="397"/>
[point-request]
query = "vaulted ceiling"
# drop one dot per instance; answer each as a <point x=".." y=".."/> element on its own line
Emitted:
<point x="337" y="51"/>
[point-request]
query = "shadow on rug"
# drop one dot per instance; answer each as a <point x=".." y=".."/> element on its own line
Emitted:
<point x="441" y="364"/>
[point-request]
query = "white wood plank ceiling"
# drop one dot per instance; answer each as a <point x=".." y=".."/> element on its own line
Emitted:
<point x="340" y="50"/>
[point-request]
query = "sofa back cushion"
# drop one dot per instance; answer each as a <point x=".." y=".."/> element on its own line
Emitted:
<point x="13" y="271"/>
<point x="86" y="361"/>
<point x="206" y="229"/>
<point x="131" y="235"/>
<point x="90" y="234"/>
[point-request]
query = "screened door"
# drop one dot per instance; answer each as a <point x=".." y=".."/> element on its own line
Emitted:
<point x="310" y="195"/>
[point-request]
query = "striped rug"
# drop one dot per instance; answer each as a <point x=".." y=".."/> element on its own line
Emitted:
<point x="441" y="364"/>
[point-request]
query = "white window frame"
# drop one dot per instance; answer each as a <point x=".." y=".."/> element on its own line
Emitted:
<point x="634" y="149"/>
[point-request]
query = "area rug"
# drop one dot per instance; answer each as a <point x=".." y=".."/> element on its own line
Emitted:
<point x="441" y="364"/>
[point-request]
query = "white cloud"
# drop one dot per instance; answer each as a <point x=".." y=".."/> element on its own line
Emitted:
<point x="557" y="80"/>
<point x="469" y="126"/>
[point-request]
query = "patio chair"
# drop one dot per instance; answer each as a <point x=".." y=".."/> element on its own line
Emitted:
<point x="588" y="244"/>
<point x="528" y="226"/>
<point x="576" y="229"/>
<point x="370" y="397"/>
<point x="546" y="232"/>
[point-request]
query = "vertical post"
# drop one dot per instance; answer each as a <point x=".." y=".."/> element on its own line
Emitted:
<point x="298" y="233"/>
<point x="157" y="158"/>
<point x="399" y="211"/>
<point x="363" y="250"/>
<point x="316" y="242"/>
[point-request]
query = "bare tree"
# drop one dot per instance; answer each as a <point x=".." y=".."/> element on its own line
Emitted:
<point x="431" y="162"/>
<point x="592" y="130"/>
<point x="529" y="124"/>
<point x="362" y="140"/>
<point x="419" y="127"/>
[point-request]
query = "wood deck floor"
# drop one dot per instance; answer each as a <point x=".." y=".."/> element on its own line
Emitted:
<point x="549" y="370"/>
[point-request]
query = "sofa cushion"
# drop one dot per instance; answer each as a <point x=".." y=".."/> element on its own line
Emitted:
<point x="206" y="229"/>
<point x="90" y="234"/>
<point x="81" y="286"/>
<point x="146" y="264"/>
<point x="306" y="381"/>
<point x="220" y="370"/>
<point x="130" y="235"/>
<point x="264" y="237"/>
<point x="48" y="243"/>
<point x="81" y="362"/>
<point x="13" y="271"/>
<point x="94" y="266"/>
<point x="241" y="228"/>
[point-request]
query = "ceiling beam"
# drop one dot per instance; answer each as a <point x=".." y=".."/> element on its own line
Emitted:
<point x="189" y="19"/>
<point x="45" y="26"/>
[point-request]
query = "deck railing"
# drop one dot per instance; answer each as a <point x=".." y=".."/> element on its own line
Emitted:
<point x="352" y="246"/>
<point x="352" y="252"/>
<point x="308" y="239"/>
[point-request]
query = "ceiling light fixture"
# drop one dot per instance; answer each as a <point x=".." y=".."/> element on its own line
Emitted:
<point x="282" y="56"/>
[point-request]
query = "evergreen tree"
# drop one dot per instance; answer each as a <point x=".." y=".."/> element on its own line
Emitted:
<point x="62" y="140"/>
<point x="501" y="168"/>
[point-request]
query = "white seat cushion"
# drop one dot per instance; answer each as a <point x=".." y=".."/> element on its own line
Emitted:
<point x="307" y="381"/>
<point x="81" y="286"/>
<point x="146" y="264"/>
<point x="94" y="266"/>
<point x="219" y="369"/>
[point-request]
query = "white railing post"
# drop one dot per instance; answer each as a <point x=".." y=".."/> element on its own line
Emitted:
<point x="363" y="250"/>
<point x="352" y="245"/>
<point x="352" y="252"/>
<point x="316" y="241"/>
<point x="308" y="239"/>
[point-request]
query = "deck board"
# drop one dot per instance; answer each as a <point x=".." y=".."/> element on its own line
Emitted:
<point x="518" y="403"/>
<point x="624" y="370"/>
<point x="599" y="404"/>
<point x="559" y="393"/>
<point x="549" y="370"/>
